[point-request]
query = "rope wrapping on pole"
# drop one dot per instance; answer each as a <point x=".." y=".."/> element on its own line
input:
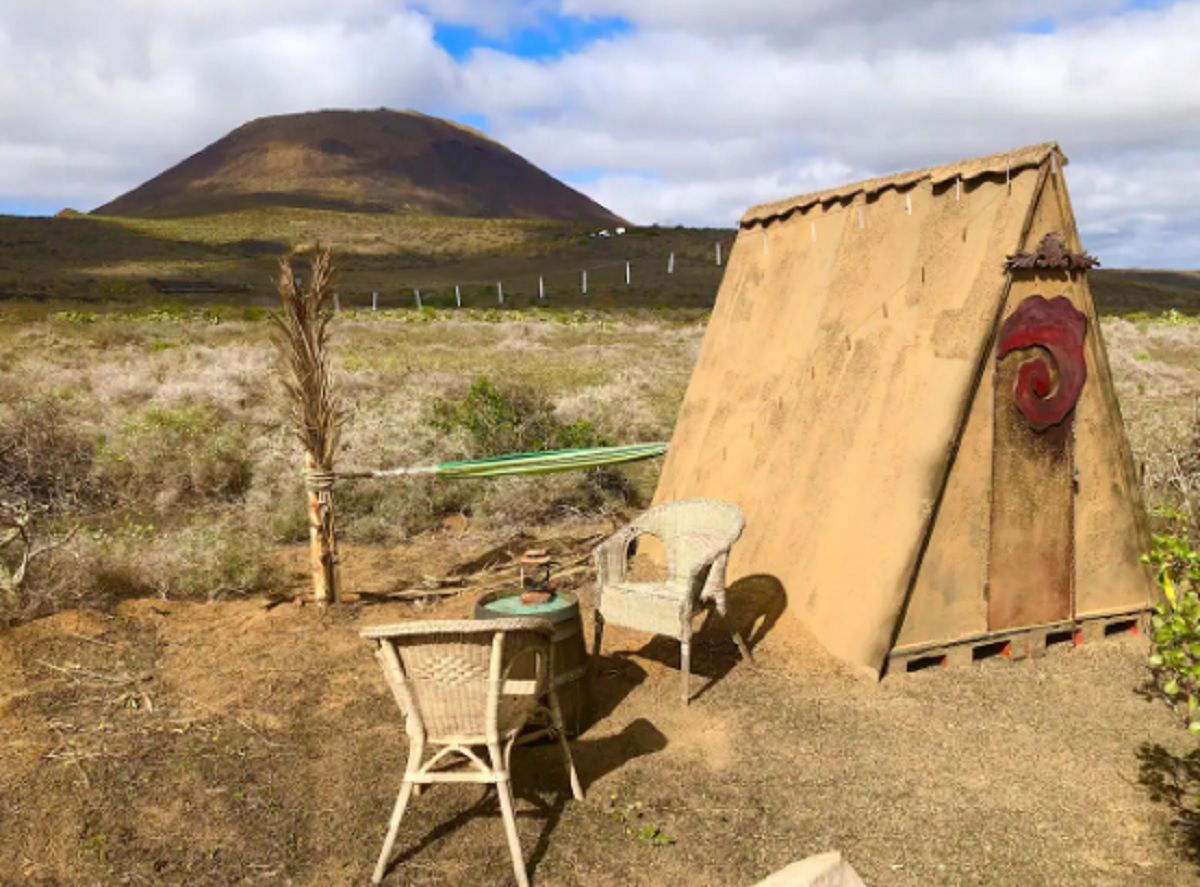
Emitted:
<point x="510" y="465"/>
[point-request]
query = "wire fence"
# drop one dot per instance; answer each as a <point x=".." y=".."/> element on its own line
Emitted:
<point x="545" y="285"/>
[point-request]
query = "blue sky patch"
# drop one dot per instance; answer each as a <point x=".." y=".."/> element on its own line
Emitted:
<point x="475" y="121"/>
<point x="586" y="175"/>
<point x="1131" y="5"/>
<point x="1044" y="25"/>
<point x="18" y="207"/>
<point x="1049" y="25"/>
<point x="552" y="36"/>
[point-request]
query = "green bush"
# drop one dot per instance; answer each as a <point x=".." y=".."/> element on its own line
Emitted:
<point x="496" y="421"/>
<point x="211" y="557"/>
<point x="45" y="462"/>
<point x="80" y="317"/>
<point x="511" y="420"/>
<point x="184" y="455"/>
<point x="286" y="518"/>
<point x="1175" y="625"/>
<point x="382" y="512"/>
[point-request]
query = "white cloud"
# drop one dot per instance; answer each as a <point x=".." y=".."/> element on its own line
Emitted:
<point x="137" y="86"/>
<point x="710" y="200"/>
<point x="859" y="24"/>
<point x="716" y="118"/>
<point x="704" y="108"/>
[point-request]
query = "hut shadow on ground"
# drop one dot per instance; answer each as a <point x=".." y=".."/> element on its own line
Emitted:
<point x="540" y="780"/>
<point x="755" y="604"/>
<point x="1174" y="780"/>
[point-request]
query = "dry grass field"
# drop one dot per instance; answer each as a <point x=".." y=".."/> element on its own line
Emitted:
<point x="94" y="262"/>
<point x="98" y="263"/>
<point x="151" y="736"/>
<point x="162" y="721"/>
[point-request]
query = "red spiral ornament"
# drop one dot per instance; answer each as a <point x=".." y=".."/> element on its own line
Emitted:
<point x="1055" y="326"/>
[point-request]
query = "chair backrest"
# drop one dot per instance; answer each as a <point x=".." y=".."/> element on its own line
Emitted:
<point x="692" y="531"/>
<point x="467" y="679"/>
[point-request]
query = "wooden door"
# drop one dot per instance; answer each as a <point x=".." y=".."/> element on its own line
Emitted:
<point x="1039" y="373"/>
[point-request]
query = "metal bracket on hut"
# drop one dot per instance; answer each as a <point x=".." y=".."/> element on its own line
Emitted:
<point x="1052" y="254"/>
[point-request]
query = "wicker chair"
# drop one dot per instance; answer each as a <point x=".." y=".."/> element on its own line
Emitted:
<point x="697" y="535"/>
<point x="466" y="685"/>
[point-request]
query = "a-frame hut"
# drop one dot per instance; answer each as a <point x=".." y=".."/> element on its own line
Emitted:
<point x="904" y="387"/>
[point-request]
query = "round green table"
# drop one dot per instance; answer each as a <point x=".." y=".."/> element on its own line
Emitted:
<point x="570" y="652"/>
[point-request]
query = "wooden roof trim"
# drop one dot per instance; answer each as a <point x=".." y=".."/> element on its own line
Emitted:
<point x="1005" y="162"/>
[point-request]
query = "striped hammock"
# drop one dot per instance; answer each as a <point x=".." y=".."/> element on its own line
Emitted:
<point x="546" y="462"/>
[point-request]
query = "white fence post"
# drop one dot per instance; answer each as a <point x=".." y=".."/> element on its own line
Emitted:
<point x="457" y="297"/>
<point x="337" y="303"/>
<point x="417" y="297"/>
<point x="583" y="283"/>
<point x="541" y="288"/>
<point x="374" y="301"/>
<point x="671" y="263"/>
<point x="628" y="274"/>
<point x="718" y="246"/>
<point x="500" y="292"/>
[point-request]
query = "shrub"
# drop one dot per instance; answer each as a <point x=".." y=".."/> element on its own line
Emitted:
<point x="45" y="461"/>
<point x="495" y="421"/>
<point x="79" y="317"/>
<point x="213" y="556"/>
<point x="183" y="455"/>
<point x="287" y="514"/>
<point x="512" y="420"/>
<point x="386" y="511"/>
<point x="1175" y="625"/>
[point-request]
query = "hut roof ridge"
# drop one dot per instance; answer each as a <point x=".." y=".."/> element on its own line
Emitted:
<point x="973" y="168"/>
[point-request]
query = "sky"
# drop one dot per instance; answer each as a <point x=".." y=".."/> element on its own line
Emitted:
<point x="667" y="111"/>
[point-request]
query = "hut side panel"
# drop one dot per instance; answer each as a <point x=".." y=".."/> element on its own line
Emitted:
<point x="831" y="382"/>
<point x="949" y="597"/>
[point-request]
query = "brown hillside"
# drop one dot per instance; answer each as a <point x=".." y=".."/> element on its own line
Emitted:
<point x="373" y="161"/>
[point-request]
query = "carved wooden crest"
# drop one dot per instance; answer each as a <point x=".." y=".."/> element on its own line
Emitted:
<point x="1056" y="327"/>
<point x="1052" y="253"/>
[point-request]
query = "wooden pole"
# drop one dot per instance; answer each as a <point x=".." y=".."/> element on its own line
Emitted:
<point x="671" y="263"/>
<point x="541" y="288"/>
<point x="457" y="297"/>
<point x="417" y="297"/>
<point x="322" y="540"/>
<point x="583" y="283"/>
<point x="500" y="292"/>
<point x="718" y="246"/>
<point x="374" y="301"/>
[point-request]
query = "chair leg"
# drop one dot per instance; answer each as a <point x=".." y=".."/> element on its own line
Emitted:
<point x="556" y="718"/>
<point x="599" y="633"/>
<point x="741" y="645"/>
<point x="393" y="830"/>
<point x="416" y="751"/>
<point x="504" y="792"/>
<point x="685" y="666"/>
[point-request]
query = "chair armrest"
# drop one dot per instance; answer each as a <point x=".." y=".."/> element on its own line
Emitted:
<point x="713" y="588"/>
<point x="609" y="557"/>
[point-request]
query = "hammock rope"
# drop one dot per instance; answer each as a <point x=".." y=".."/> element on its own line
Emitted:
<point x="509" y="465"/>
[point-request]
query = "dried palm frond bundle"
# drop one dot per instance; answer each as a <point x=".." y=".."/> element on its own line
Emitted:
<point x="316" y="416"/>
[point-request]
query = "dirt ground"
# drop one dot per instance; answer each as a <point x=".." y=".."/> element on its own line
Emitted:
<point x="236" y="742"/>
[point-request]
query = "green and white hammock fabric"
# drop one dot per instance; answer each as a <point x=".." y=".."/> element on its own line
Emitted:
<point x="512" y="464"/>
